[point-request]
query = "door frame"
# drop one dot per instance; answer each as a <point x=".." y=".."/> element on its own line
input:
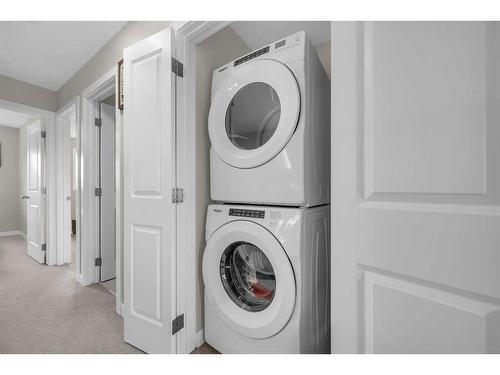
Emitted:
<point x="188" y="35"/>
<point x="89" y="213"/>
<point x="114" y="184"/>
<point x="61" y="142"/>
<point x="48" y="120"/>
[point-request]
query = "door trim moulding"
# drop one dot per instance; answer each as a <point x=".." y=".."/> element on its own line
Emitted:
<point x="73" y="104"/>
<point x="188" y="35"/>
<point x="89" y="211"/>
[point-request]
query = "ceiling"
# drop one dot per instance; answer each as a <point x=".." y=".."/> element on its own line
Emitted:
<point x="259" y="33"/>
<point x="49" y="53"/>
<point x="12" y="119"/>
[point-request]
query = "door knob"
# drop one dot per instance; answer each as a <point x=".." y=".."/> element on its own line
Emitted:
<point x="25" y="197"/>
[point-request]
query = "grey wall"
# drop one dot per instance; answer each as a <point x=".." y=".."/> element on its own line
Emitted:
<point x="222" y="47"/>
<point x="21" y="92"/>
<point x="325" y="57"/>
<point x="107" y="57"/>
<point x="9" y="179"/>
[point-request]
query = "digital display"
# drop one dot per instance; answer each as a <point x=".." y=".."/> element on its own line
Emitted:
<point x="280" y="44"/>
<point x="247" y="213"/>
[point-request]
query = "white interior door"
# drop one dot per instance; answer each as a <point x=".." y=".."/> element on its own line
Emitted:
<point x="67" y="183"/>
<point x="149" y="214"/>
<point x="36" y="194"/>
<point x="108" y="198"/>
<point x="416" y="187"/>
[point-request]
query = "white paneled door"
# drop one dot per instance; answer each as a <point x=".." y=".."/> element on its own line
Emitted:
<point x="149" y="176"/>
<point x="416" y="187"/>
<point x="35" y="146"/>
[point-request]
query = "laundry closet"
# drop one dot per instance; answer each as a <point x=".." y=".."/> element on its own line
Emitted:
<point x="263" y="187"/>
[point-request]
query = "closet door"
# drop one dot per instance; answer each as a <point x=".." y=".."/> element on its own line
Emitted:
<point x="35" y="141"/>
<point x="416" y="187"/>
<point x="149" y="214"/>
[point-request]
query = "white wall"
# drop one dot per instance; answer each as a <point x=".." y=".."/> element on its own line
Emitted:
<point x="9" y="179"/>
<point x="222" y="47"/>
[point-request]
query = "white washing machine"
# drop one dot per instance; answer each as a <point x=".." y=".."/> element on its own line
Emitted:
<point x="266" y="275"/>
<point x="269" y="125"/>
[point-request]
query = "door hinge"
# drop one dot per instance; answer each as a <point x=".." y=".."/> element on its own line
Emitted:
<point x="98" y="262"/>
<point x="98" y="122"/>
<point x="43" y="134"/>
<point x="177" y="195"/>
<point x="43" y="190"/>
<point x="43" y="247"/>
<point x="177" y="324"/>
<point x="177" y="67"/>
<point x="98" y="192"/>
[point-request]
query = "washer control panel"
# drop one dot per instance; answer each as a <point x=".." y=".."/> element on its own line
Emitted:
<point x="258" y="214"/>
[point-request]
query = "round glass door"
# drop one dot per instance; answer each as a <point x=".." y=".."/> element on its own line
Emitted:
<point x="254" y="113"/>
<point x="253" y="116"/>
<point x="247" y="276"/>
<point x="249" y="280"/>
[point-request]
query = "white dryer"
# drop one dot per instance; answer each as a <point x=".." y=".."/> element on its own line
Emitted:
<point x="266" y="276"/>
<point x="269" y="126"/>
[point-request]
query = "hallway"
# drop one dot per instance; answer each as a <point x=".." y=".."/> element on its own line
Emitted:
<point x="44" y="310"/>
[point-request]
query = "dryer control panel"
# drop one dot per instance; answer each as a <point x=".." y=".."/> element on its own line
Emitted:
<point x="251" y="56"/>
<point x="289" y="49"/>
<point x="258" y="214"/>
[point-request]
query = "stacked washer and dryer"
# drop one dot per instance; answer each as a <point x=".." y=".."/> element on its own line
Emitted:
<point x="266" y="262"/>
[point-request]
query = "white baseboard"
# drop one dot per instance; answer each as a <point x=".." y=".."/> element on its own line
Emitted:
<point x="12" y="233"/>
<point x="200" y="338"/>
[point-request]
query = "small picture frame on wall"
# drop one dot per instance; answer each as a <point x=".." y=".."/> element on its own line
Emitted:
<point x="120" y="84"/>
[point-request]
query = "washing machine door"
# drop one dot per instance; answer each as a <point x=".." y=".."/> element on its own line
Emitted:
<point x="254" y="113"/>
<point x="250" y="279"/>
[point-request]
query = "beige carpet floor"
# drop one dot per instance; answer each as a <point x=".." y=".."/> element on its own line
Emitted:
<point x="44" y="310"/>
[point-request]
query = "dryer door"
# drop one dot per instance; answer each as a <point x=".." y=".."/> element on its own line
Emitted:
<point x="254" y="113"/>
<point x="250" y="279"/>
